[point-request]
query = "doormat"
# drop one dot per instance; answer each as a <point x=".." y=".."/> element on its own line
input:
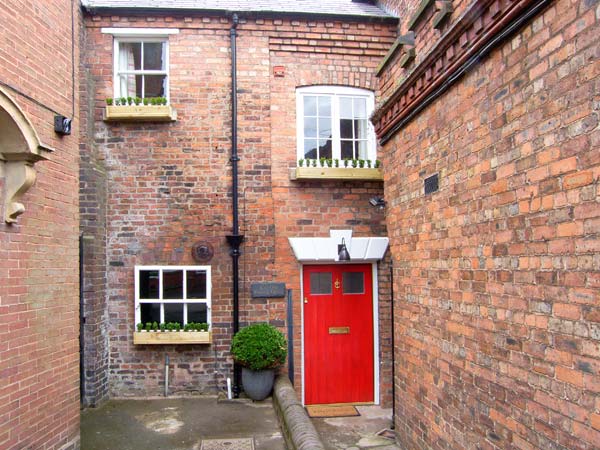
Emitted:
<point x="227" y="444"/>
<point x="332" y="411"/>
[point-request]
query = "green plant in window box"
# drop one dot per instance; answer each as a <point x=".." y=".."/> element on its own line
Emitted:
<point x="369" y="163"/>
<point x="162" y="326"/>
<point x="300" y="162"/>
<point x="109" y="101"/>
<point x="140" y="326"/>
<point x="329" y="162"/>
<point x="154" y="326"/>
<point x="137" y="101"/>
<point x="354" y="163"/>
<point x="377" y="164"/>
<point x="314" y="163"/>
<point x="123" y="101"/>
<point x="346" y="161"/>
<point x="148" y="326"/>
<point x="336" y="162"/>
<point x="361" y="163"/>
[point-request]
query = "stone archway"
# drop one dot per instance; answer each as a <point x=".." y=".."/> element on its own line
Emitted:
<point x="20" y="149"/>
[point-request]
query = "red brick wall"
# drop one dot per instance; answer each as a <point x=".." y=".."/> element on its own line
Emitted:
<point x="39" y="359"/>
<point x="169" y="185"/>
<point x="497" y="274"/>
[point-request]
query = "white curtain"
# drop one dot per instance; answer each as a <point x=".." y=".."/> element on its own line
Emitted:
<point x="126" y="63"/>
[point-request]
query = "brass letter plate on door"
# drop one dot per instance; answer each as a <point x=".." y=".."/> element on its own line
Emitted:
<point x="339" y="330"/>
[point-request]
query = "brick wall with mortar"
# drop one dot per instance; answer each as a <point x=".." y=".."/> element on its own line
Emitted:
<point x="39" y="357"/>
<point x="169" y="185"/>
<point x="92" y="211"/>
<point x="427" y="36"/>
<point x="497" y="274"/>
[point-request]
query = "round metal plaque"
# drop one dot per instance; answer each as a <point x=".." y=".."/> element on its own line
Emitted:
<point x="202" y="251"/>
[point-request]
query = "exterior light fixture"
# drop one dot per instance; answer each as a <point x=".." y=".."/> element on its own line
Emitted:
<point x="378" y="202"/>
<point x="62" y="125"/>
<point x="343" y="254"/>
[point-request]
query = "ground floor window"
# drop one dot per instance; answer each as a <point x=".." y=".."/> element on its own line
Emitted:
<point x="172" y="294"/>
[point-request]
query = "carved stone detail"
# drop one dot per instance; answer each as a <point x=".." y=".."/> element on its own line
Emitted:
<point x="444" y="9"/>
<point x="19" y="177"/>
<point x="20" y="149"/>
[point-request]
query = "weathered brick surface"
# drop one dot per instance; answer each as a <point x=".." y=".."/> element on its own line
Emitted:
<point x="496" y="275"/>
<point x="92" y="212"/>
<point x="39" y="359"/>
<point x="169" y="185"/>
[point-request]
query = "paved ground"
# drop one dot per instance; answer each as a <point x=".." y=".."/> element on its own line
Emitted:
<point x="353" y="433"/>
<point x="179" y="424"/>
<point x="185" y="423"/>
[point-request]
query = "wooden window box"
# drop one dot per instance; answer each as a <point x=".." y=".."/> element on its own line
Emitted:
<point x="172" y="337"/>
<point x="140" y="113"/>
<point x="335" y="173"/>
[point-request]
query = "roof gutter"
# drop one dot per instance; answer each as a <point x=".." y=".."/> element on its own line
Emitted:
<point x="140" y="11"/>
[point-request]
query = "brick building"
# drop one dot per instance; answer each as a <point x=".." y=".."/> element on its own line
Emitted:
<point x="156" y="190"/>
<point x="492" y="107"/>
<point x="480" y="324"/>
<point x="39" y="345"/>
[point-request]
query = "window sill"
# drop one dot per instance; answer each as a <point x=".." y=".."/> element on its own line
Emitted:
<point x="172" y="337"/>
<point x="140" y="113"/>
<point x="335" y="173"/>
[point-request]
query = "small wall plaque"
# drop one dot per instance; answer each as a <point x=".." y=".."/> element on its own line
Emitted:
<point x="267" y="290"/>
<point x="202" y="251"/>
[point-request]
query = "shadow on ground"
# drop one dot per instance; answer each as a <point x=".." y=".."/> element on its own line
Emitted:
<point x="178" y="424"/>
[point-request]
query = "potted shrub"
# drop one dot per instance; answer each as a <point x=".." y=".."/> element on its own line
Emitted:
<point x="259" y="349"/>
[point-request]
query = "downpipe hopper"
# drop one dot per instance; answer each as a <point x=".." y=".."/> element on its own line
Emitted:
<point x="235" y="242"/>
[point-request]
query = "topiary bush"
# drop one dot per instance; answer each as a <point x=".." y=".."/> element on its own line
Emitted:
<point x="259" y="346"/>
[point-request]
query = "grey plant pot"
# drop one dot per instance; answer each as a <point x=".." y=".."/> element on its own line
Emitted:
<point x="257" y="383"/>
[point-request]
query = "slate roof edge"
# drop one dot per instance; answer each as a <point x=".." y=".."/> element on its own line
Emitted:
<point x="132" y="10"/>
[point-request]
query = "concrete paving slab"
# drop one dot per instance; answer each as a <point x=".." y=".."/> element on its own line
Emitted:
<point x="178" y="424"/>
<point x="356" y="433"/>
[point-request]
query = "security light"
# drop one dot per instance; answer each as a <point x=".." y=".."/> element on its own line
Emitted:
<point x="379" y="202"/>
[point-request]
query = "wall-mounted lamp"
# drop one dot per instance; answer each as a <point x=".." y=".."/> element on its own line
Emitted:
<point x="343" y="254"/>
<point x="62" y="125"/>
<point x="378" y="202"/>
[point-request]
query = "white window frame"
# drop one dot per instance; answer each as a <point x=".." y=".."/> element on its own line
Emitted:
<point x="184" y="300"/>
<point x="140" y="35"/>
<point x="335" y="92"/>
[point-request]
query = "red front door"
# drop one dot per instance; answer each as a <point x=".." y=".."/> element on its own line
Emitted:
<point x="338" y="334"/>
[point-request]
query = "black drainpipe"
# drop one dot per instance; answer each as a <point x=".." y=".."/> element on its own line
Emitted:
<point x="81" y="325"/>
<point x="393" y="349"/>
<point x="235" y="239"/>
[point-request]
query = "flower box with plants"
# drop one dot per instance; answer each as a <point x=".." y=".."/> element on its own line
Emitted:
<point x="336" y="169"/>
<point x="135" y="109"/>
<point x="259" y="349"/>
<point x="172" y="333"/>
